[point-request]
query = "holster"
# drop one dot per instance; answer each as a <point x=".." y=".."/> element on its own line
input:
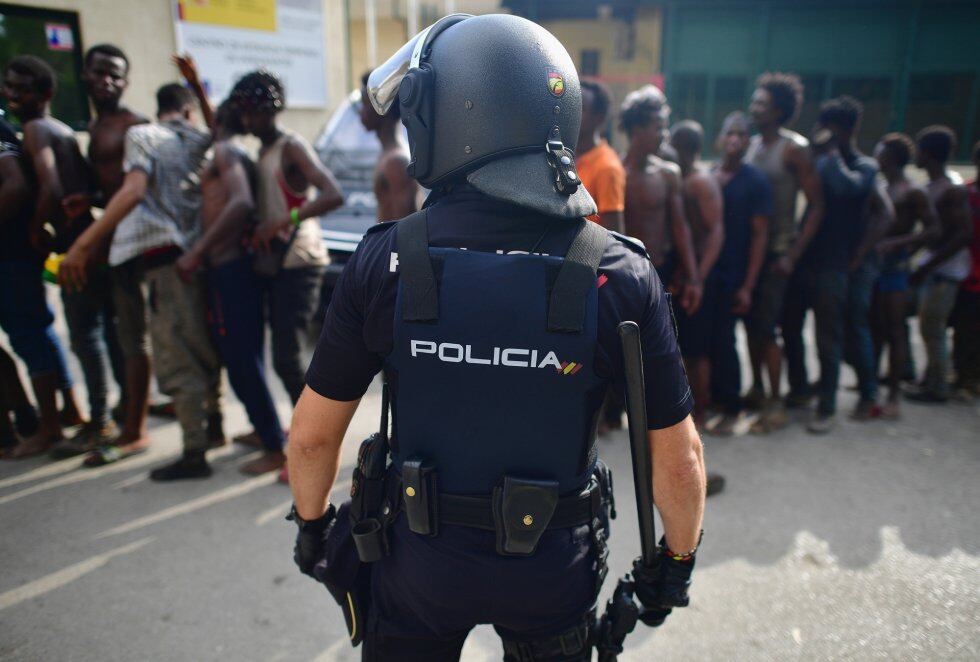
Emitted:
<point x="522" y="510"/>
<point x="343" y="573"/>
<point x="367" y="516"/>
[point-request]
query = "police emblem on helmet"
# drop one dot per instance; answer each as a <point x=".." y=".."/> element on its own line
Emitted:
<point x="556" y="83"/>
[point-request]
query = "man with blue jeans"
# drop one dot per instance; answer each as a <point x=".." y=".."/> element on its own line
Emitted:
<point x="234" y="310"/>
<point x="58" y="168"/>
<point x="843" y="267"/>
<point x="25" y="315"/>
<point x="945" y="262"/>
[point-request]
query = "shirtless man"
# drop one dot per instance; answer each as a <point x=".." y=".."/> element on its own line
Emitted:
<point x="703" y="210"/>
<point x="946" y="261"/>
<point x="56" y="164"/>
<point x="912" y="206"/>
<point x="235" y="313"/>
<point x="654" y="211"/>
<point x="394" y="190"/>
<point x="25" y="315"/>
<point x="784" y="158"/>
<point x="106" y="75"/>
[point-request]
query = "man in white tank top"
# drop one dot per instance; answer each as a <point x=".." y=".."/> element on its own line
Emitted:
<point x="294" y="190"/>
<point x="784" y="157"/>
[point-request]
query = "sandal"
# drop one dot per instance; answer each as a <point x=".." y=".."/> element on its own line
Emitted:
<point x="110" y="454"/>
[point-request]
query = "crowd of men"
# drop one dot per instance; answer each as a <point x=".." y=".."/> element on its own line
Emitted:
<point x="870" y="249"/>
<point x="198" y="247"/>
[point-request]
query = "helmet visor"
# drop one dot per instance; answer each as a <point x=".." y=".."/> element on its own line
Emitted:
<point x="383" y="83"/>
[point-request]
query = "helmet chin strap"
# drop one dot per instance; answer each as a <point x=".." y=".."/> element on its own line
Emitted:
<point x="562" y="162"/>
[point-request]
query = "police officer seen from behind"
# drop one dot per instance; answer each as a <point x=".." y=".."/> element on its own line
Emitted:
<point x="493" y="316"/>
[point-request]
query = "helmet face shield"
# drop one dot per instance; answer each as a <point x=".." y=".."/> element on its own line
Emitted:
<point x="383" y="83"/>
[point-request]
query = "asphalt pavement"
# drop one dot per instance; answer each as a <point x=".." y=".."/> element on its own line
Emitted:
<point x="859" y="545"/>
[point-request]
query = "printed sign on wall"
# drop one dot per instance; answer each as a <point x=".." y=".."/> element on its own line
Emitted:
<point x="229" y="38"/>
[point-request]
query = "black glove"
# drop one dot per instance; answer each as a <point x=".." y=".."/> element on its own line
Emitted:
<point x="309" y="539"/>
<point x="663" y="586"/>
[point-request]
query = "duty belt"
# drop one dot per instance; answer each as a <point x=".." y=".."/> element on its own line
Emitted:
<point x="518" y="511"/>
<point x="477" y="512"/>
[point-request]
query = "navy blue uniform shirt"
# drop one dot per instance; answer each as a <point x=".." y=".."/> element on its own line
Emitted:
<point x="357" y="332"/>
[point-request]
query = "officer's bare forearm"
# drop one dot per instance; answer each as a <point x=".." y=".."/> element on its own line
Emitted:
<point x="315" y="438"/>
<point x="678" y="483"/>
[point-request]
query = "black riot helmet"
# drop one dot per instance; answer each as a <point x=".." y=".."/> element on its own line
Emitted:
<point x="493" y="100"/>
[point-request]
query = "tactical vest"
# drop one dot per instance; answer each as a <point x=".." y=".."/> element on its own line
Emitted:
<point x="492" y="368"/>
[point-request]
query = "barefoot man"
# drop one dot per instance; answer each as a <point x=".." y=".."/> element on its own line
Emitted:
<point x="53" y="160"/>
<point x="234" y="306"/>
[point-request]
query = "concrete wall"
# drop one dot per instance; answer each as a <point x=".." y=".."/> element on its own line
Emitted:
<point x="629" y="55"/>
<point x="391" y="35"/>
<point x="144" y="29"/>
<point x="391" y="27"/>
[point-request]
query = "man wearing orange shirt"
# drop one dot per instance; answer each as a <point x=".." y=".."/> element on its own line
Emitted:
<point x="599" y="166"/>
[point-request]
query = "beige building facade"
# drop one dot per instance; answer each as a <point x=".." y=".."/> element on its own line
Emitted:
<point x="625" y="54"/>
<point x="359" y="34"/>
<point x="145" y="31"/>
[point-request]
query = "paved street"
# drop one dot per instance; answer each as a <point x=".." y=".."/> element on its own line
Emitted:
<point x="861" y="545"/>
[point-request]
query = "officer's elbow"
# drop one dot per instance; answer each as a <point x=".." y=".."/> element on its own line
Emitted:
<point x="678" y="458"/>
<point x="306" y="445"/>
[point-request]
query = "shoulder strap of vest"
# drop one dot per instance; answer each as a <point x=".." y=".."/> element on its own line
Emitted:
<point x="420" y="292"/>
<point x="566" y="308"/>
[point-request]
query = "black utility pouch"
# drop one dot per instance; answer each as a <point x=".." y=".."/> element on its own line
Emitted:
<point x="420" y="496"/>
<point x="367" y="488"/>
<point x="522" y="510"/>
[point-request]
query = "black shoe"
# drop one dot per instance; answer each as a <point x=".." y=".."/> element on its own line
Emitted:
<point x="187" y="467"/>
<point x="716" y="483"/>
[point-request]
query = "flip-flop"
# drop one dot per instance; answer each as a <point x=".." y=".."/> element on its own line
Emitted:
<point x="109" y="455"/>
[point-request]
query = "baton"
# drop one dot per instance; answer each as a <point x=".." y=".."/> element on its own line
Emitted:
<point x="636" y="412"/>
